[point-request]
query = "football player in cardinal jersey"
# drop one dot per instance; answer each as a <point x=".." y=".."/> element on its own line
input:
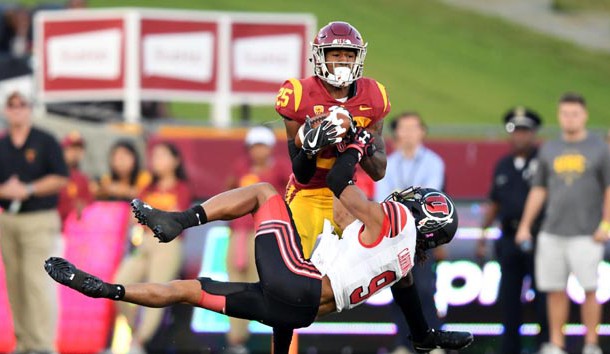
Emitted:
<point x="338" y="53"/>
<point x="378" y="248"/>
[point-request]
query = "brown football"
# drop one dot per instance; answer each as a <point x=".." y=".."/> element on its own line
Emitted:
<point x="317" y="120"/>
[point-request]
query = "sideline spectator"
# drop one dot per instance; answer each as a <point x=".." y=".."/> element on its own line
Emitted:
<point x="32" y="172"/>
<point x="126" y="180"/>
<point x="574" y="180"/>
<point x="258" y="166"/>
<point x="151" y="261"/>
<point x="413" y="164"/>
<point x="76" y="195"/>
<point x="511" y="183"/>
<point x="16" y="32"/>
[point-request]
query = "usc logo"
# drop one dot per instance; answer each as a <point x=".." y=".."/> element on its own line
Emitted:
<point x="569" y="163"/>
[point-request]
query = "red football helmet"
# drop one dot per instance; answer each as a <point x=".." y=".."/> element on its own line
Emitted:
<point x="338" y="35"/>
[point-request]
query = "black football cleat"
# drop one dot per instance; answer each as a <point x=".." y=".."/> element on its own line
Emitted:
<point x="437" y="339"/>
<point x="163" y="224"/>
<point x="67" y="274"/>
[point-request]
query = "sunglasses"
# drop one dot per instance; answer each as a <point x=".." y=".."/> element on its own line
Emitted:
<point x="18" y="105"/>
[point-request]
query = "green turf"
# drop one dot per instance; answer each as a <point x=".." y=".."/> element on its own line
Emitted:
<point x="453" y="66"/>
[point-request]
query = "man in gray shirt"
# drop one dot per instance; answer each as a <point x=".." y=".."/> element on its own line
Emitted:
<point x="574" y="180"/>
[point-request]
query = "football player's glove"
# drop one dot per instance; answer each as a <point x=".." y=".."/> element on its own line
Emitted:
<point x="328" y="132"/>
<point x="362" y="141"/>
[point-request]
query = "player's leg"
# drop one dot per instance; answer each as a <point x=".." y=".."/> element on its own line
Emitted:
<point x="512" y="266"/>
<point x="285" y="273"/>
<point x="585" y="270"/>
<point x="228" y="205"/>
<point x="145" y="294"/>
<point x="242" y="300"/>
<point x="552" y="270"/>
<point x="309" y="209"/>
<point x="424" y="338"/>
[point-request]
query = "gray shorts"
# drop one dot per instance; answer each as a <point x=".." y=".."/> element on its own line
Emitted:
<point x="558" y="256"/>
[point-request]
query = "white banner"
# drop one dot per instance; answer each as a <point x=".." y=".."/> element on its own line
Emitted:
<point x="185" y="56"/>
<point x="267" y="58"/>
<point x="86" y="55"/>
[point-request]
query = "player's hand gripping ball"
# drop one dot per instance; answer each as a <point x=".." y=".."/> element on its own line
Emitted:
<point x="324" y="130"/>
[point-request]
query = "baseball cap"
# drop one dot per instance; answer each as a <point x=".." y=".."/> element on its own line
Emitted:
<point x="74" y="138"/>
<point x="260" y="135"/>
<point x="521" y="118"/>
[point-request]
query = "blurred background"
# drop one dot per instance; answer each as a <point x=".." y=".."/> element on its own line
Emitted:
<point x="198" y="74"/>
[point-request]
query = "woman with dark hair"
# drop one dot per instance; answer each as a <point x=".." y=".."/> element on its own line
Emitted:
<point x="151" y="261"/>
<point x="125" y="179"/>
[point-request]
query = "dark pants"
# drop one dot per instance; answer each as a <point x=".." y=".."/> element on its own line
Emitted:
<point x="515" y="266"/>
<point x="425" y="279"/>
<point x="288" y="293"/>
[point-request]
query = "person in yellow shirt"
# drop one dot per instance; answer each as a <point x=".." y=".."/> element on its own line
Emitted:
<point x="125" y="180"/>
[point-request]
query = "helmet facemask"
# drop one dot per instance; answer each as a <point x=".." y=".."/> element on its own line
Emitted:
<point x="343" y="73"/>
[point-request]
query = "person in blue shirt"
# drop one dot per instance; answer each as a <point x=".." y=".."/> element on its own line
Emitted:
<point x="413" y="164"/>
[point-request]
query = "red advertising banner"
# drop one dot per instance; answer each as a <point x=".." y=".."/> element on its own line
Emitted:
<point x="264" y="55"/>
<point x="83" y="54"/>
<point x="224" y="58"/>
<point x="178" y="55"/>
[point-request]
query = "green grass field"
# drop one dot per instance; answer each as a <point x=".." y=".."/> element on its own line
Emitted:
<point x="453" y="66"/>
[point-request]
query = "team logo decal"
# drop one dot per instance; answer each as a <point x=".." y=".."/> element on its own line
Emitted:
<point x="30" y="155"/>
<point x="438" y="210"/>
<point x="318" y="109"/>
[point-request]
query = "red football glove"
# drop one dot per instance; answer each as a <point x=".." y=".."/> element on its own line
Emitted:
<point x="362" y="141"/>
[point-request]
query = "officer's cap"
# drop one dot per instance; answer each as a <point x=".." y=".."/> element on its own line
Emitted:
<point x="521" y="118"/>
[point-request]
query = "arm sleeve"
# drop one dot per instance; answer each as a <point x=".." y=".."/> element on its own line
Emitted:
<point x="342" y="173"/>
<point x="303" y="166"/>
<point x="542" y="173"/>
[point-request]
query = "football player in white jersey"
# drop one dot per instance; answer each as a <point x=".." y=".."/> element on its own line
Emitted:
<point x="377" y="250"/>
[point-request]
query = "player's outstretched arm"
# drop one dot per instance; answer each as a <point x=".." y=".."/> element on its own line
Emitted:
<point x="339" y="180"/>
<point x="374" y="163"/>
<point x="228" y="205"/>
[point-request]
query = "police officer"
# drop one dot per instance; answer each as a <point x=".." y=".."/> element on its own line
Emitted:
<point x="511" y="184"/>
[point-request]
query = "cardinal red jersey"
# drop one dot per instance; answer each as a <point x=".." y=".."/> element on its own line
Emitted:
<point x="298" y="99"/>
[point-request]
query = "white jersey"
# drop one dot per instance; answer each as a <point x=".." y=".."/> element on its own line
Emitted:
<point x="358" y="271"/>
